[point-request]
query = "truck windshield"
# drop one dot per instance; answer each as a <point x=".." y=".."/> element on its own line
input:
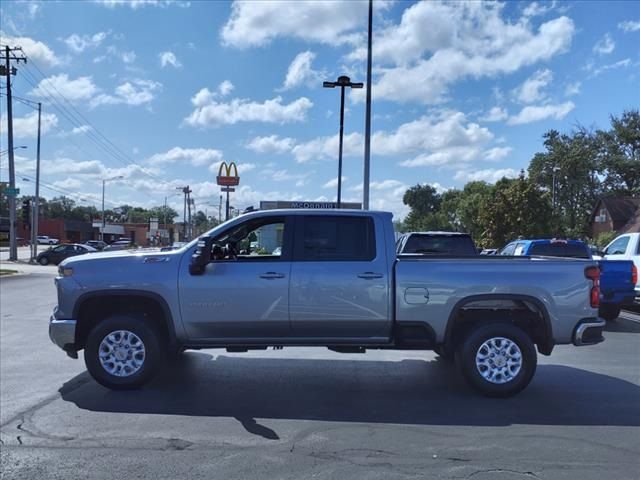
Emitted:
<point x="440" y="245"/>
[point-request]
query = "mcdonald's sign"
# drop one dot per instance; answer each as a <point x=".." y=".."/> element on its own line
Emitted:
<point x="225" y="177"/>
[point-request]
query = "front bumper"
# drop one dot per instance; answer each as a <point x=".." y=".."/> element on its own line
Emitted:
<point x="588" y="331"/>
<point x="63" y="334"/>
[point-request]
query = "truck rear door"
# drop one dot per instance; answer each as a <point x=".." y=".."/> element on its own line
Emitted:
<point x="339" y="289"/>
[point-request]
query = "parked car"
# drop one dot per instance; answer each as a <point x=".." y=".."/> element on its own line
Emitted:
<point x="119" y="245"/>
<point x="617" y="278"/>
<point x="626" y="247"/>
<point x="44" y="240"/>
<point x="97" y="244"/>
<point x="338" y="284"/>
<point x="489" y="251"/>
<point x="59" y="253"/>
<point x="436" y="243"/>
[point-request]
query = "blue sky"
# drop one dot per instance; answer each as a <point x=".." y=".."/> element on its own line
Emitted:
<point x="160" y="92"/>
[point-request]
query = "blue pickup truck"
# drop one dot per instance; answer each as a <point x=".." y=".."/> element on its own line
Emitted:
<point x="617" y="277"/>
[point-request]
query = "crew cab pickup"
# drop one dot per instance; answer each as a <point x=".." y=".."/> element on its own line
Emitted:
<point x="617" y="277"/>
<point x="337" y="283"/>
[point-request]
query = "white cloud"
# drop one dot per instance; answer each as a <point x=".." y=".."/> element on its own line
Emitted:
<point x="27" y="126"/>
<point x="629" y="26"/>
<point x="194" y="156"/>
<point x="605" y="45"/>
<point x="210" y="113"/>
<point x="135" y="92"/>
<point x="380" y="186"/>
<point x="465" y="39"/>
<point x="135" y="4"/>
<point x="613" y="66"/>
<point x="497" y="153"/>
<point x="531" y="90"/>
<point x="489" y="175"/>
<point x="128" y="57"/>
<point x="271" y="144"/>
<point x="535" y="9"/>
<point x="536" y="113"/>
<point x="79" y="43"/>
<point x="496" y="114"/>
<point x="75" y="131"/>
<point x="436" y="133"/>
<point x="33" y="49"/>
<point x="300" y="179"/>
<point x="69" y="183"/>
<point x="573" y="89"/>
<point x="300" y="71"/>
<point x="225" y="88"/>
<point x="333" y="183"/>
<point x="323" y="148"/>
<point x="258" y="23"/>
<point x="81" y="88"/>
<point x="169" y="58"/>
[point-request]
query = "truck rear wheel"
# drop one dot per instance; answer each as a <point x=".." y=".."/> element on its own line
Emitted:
<point x="123" y="352"/>
<point x="609" y="312"/>
<point x="497" y="359"/>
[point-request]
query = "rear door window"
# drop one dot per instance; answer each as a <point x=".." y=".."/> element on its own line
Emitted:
<point x="560" y="249"/>
<point x="619" y="246"/>
<point x="440" y="245"/>
<point x="339" y="238"/>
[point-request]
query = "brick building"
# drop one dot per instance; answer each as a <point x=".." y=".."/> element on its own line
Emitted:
<point x="614" y="214"/>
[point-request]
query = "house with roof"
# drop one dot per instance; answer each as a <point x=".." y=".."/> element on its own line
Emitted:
<point x="616" y="214"/>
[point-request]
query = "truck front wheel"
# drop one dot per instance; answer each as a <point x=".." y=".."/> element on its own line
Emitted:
<point x="123" y="352"/>
<point x="497" y="359"/>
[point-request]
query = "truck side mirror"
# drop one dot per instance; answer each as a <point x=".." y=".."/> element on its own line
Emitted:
<point x="201" y="257"/>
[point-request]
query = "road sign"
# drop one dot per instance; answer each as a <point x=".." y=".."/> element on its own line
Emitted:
<point x="227" y="189"/>
<point x="11" y="192"/>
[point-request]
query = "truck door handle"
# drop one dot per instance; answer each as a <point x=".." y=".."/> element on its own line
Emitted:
<point x="370" y="275"/>
<point x="271" y="275"/>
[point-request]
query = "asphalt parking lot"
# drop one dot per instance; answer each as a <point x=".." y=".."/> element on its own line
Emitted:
<point x="310" y="413"/>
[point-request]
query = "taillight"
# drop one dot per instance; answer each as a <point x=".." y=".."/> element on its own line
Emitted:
<point x="593" y="274"/>
<point x="634" y="274"/>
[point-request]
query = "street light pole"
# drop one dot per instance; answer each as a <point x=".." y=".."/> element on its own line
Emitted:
<point x="342" y="82"/>
<point x="367" y="124"/>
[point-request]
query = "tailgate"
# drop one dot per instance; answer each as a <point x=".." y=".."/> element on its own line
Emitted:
<point x="615" y="276"/>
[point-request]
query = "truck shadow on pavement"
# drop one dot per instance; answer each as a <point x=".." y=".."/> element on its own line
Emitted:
<point x="411" y="392"/>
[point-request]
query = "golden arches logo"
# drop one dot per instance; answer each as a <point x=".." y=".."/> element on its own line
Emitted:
<point x="225" y="176"/>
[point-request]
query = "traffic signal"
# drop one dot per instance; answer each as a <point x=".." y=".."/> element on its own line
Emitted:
<point x="26" y="213"/>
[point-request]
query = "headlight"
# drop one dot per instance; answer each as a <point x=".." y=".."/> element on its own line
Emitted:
<point x="65" y="271"/>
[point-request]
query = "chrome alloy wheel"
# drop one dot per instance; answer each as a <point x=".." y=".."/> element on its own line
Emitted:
<point x="121" y="353"/>
<point x="499" y="360"/>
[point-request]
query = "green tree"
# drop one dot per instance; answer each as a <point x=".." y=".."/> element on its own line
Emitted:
<point x="573" y="161"/>
<point x="619" y="150"/>
<point x="424" y="202"/>
<point x="515" y="207"/>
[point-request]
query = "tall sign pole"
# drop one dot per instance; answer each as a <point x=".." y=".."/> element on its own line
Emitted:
<point x="367" y="128"/>
<point x="228" y="178"/>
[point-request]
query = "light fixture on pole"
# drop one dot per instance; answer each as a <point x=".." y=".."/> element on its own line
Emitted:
<point x="4" y="152"/>
<point x="104" y="181"/>
<point x="342" y="82"/>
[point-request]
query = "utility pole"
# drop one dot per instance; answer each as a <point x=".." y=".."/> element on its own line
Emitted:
<point x="367" y="127"/>
<point x="220" y="210"/>
<point x="9" y="54"/>
<point x="186" y="190"/>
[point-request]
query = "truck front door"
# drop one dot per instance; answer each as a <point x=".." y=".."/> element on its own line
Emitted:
<point x="339" y="289"/>
<point x="244" y="291"/>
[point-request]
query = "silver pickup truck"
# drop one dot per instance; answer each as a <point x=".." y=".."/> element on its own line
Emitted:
<point x="333" y="280"/>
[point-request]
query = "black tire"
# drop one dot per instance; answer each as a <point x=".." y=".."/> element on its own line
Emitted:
<point x="43" y="261"/>
<point x="153" y="354"/>
<point x="470" y="347"/>
<point x="609" y="312"/>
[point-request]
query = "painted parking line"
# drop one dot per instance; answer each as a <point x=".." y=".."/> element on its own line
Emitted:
<point x="631" y="316"/>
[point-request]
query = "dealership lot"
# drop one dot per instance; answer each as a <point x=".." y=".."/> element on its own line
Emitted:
<point x="303" y="413"/>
